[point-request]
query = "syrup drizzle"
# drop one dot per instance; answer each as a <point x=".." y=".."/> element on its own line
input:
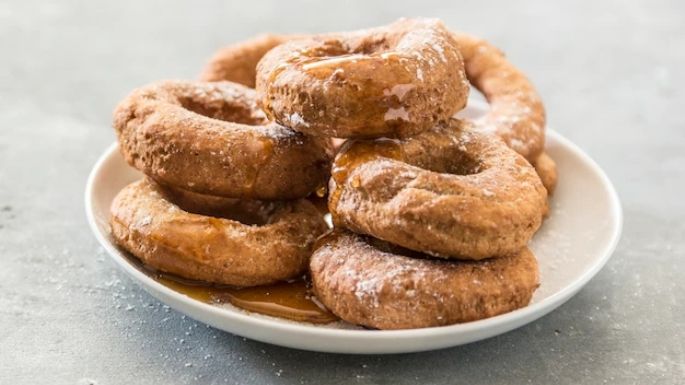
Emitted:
<point x="354" y="153"/>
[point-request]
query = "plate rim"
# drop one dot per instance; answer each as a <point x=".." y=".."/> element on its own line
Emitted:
<point x="484" y="328"/>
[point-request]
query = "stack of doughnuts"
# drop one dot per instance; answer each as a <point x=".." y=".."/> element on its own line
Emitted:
<point x="431" y="214"/>
<point x="224" y="197"/>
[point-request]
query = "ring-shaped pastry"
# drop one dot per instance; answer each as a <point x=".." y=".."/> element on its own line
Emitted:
<point x="372" y="283"/>
<point x="211" y="138"/>
<point x="451" y="192"/>
<point x="225" y="241"/>
<point x="393" y="81"/>
<point x="516" y="113"/>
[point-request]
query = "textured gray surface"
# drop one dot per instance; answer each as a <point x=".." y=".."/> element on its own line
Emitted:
<point x="611" y="74"/>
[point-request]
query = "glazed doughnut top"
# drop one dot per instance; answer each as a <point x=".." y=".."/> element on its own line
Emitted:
<point x="394" y="81"/>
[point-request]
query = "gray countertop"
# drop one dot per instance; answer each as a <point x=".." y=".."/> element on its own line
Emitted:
<point x="611" y="74"/>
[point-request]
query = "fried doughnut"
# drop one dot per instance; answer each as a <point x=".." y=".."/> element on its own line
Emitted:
<point x="516" y="113"/>
<point x="372" y="283"/>
<point x="546" y="168"/>
<point x="392" y="81"/>
<point x="273" y="242"/>
<point x="238" y="62"/>
<point x="451" y="192"/>
<point x="210" y="138"/>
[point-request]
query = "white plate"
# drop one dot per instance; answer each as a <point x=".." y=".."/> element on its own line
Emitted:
<point x="572" y="246"/>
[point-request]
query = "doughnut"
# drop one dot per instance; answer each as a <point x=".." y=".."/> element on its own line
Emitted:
<point x="372" y="283"/>
<point x="238" y="62"/>
<point x="451" y="192"/>
<point x="546" y="168"/>
<point x="516" y="112"/>
<point x="210" y="138"/>
<point x="254" y="243"/>
<point x="393" y="81"/>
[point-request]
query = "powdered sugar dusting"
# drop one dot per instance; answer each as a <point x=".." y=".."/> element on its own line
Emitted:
<point x="399" y="91"/>
<point x="419" y="73"/>
<point x="396" y="113"/>
<point x="297" y="120"/>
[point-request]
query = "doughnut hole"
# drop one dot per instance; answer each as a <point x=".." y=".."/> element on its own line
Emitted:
<point x="223" y="110"/>
<point x="449" y="161"/>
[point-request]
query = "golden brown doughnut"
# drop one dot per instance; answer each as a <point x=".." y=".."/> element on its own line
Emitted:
<point x="238" y="62"/>
<point x="546" y="168"/>
<point x="273" y="242"/>
<point x="395" y="80"/>
<point x="451" y="192"/>
<point x="375" y="284"/>
<point x="210" y="138"/>
<point x="516" y="113"/>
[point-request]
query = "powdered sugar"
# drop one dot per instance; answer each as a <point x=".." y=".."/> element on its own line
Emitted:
<point x="297" y="120"/>
<point x="396" y="113"/>
<point x="399" y="91"/>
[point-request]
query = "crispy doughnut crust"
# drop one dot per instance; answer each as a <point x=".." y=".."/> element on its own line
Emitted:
<point x="210" y="138"/>
<point x="546" y="168"/>
<point x="516" y="113"/>
<point x="372" y="283"/>
<point x="212" y="249"/>
<point x="392" y="81"/>
<point x="238" y="62"/>
<point x="452" y="192"/>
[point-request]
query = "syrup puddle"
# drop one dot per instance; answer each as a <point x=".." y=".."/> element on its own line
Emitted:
<point x="290" y="300"/>
<point x="293" y="300"/>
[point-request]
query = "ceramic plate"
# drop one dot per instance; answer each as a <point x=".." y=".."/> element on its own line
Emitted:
<point x="572" y="246"/>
